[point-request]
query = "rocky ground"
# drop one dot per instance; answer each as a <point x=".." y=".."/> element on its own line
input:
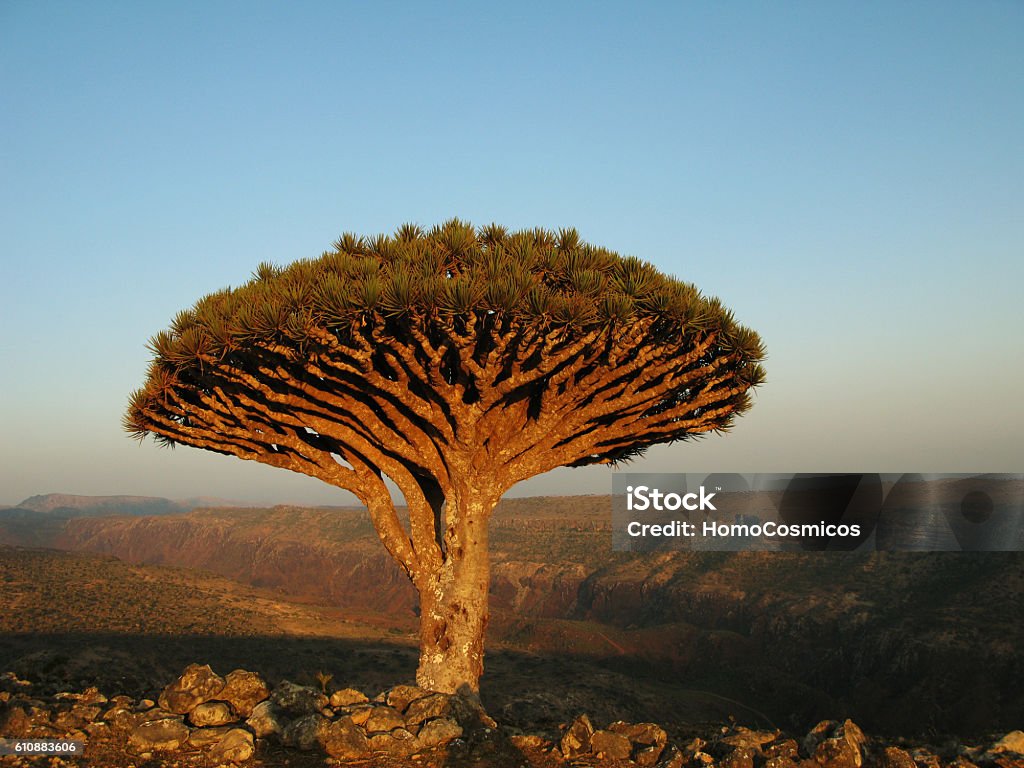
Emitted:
<point x="202" y="719"/>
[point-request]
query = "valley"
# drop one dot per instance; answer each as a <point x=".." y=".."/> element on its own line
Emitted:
<point x="901" y="642"/>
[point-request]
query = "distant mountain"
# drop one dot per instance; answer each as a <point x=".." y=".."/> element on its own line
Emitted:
<point x="71" y="505"/>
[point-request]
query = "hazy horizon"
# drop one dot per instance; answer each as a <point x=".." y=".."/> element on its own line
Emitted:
<point x="848" y="178"/>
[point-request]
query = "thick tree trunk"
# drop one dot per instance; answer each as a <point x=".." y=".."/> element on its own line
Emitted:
<point x="453" y="604"/>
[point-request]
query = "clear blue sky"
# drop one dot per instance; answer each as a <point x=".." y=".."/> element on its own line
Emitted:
<point x="848" y="177"/>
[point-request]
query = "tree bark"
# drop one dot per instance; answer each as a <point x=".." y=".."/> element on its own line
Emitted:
<point x="453" y="601"/>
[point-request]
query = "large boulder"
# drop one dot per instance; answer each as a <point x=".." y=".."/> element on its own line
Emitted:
<point x="401" y="696"/>
<point x="428" y="707"/>
<point x="384" y="718"/>
<point x="266" y="720"/>
<point x="298" y="700"/>
<point x="243" y="691"/>
<point x="236" y="747"/>
<point x="397" y="743"/>
<point x="306" y="733"/>
<point x="197" y="684"/>
<point x="211" y="713"/>
<point x="344" y="740"/>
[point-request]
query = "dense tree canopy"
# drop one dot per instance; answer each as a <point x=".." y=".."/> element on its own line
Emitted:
<point x="455" y="362"/>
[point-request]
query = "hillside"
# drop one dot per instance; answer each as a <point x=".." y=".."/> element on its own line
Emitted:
<point x="900" y="642"/>
<point x="101" y="505"/>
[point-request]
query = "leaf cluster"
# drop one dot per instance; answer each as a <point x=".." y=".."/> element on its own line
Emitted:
<point x="444" y="275"/>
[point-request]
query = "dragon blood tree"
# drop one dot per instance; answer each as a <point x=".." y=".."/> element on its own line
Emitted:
<point x="455" y="363"/>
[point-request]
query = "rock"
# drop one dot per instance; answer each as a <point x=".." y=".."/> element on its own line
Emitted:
<point x="211" y="713"/>
<point x="156" y="713"/>
<point x="818" y="734"/>
<point x="576" y="739"/>
<point x="361" y="714"/>
<point x="120" y="717"/>
<point x="384" y="718"/>
<point x="344" y="740"/>
<point x="298" y="700"/>
<point x="748" y="739"/>
<point x="397" y="743"/>
<point x="195" y="685"/>
<point x="346" y="697"/>
<point x="894" y="757"/>
<point x="428" y="707"/>
<point x="92" y="697"/>
<point x="740" y="757"/>
<point x="401" y="696"/>
<point x="159" y="735"/>
<point x="648" y="739"/>
<point x="647" y="756"/>
<point x="468" y="711"/>
<point x="1011" y="742"/>
<point x="439" y="731"/>
<point x="641" y="733"/>
<point x="145" y="704"/>
<point x="205" y="737"/>
<point x="610" y="745"/>
<point x="672" y="758"/>
<point x="837" y="753"/>
<point x="236" y="747"/>
<point x="243" y="691"/>
<point x="854" y="736"/>
<point x="781" y="761"/>
<point x="305" y="733"/>
<point x="782" y="748"/>
<point x="265" y="720"/>
<point x="836" y="745"/>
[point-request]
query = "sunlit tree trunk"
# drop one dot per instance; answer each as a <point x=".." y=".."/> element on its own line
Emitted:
<point x="453" y="600"/>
